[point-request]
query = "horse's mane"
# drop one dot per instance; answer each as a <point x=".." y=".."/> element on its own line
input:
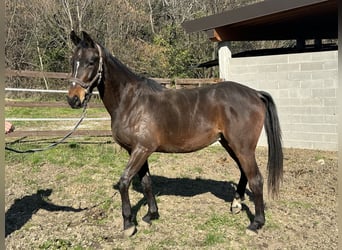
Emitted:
<point x="145" y="82"/>
<point x="152" y="84"/>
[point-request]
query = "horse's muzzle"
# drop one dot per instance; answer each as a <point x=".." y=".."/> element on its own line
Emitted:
<point x="75" y="102"/>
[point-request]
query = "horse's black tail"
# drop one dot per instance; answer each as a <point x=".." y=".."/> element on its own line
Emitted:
<point x="275" y="151"/>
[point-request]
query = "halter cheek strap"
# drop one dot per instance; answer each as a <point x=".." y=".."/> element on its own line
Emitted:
<point x="96" y="80"/>
<point x="98" y="76"/>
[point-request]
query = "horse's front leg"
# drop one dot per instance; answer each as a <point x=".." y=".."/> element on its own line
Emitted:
<point x="138" y="157"/>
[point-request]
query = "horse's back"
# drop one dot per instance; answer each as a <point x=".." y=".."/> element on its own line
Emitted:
<point x="189" y="119"/>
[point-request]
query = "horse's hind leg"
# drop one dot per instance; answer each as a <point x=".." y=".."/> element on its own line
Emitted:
<point x="146" y="182"/>
<point x="249" y="173"/>
<point x="239" y="196"/>
<point x="256" y="182"/>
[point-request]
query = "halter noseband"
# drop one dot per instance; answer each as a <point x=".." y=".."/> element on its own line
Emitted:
<point x="97" y="79"/>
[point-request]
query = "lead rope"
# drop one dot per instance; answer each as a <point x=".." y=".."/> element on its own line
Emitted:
<point x="52" y="145"/>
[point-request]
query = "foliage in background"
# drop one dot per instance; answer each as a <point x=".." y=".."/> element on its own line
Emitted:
<point x="145" y="35"/>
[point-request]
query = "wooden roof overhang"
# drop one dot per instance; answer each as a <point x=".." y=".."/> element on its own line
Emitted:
<point x="271" y="20"/>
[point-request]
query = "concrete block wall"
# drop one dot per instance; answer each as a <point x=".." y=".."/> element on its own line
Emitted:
<point x="304" y="87"/>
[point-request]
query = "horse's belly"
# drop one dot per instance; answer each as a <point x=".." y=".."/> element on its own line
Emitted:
<point x="186" y="144"/>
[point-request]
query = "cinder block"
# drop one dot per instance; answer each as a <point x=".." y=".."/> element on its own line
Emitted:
<point x="268" y="85"/>
<point x="294" y="93"/>
<point x="318" y="119"/>
<point x="288" y="67"/>
<point x="301" y="57"/>
<point x="242" y="69"/>
<point x="312" y="83"/>
<point x="324" y="110"/>
<point x="325" y="146"/>
<point x="330" y="83"/>
<point x="324" y="56"/>
<point x="328" y="65"/>
<point x="300" y="76"/>
<point x="311" y="137"/>
<point x="268" y="68"/>
<point x="330" y="138"/>
<point x="304" y="93"/>
<point x="311" y="66"/>
<point x="312" y="102"/>
<point x="330" y="102"/>
<point x="327" y="93"/>
<point x="313" y="128"/>
<point x="331" y="119"/>
<point x="296" y="110"/>
<point x="299" y="144"/>
<point x="294" y="118"/>
<point x="284" y="93"/>
<point x="288" y="102"/>
<point x="242" y="61"/>
<point x="276" y="76"/>
<point x="325" y="74"/>
<point x="288" y="84"/>
<point x="246" y="79"/>
<point x="276" y="59"/>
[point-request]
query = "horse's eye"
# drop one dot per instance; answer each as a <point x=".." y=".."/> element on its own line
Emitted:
<point x="91" y="63"/>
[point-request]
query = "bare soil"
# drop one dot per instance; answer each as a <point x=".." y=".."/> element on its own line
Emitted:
<point x="61" y="207"/>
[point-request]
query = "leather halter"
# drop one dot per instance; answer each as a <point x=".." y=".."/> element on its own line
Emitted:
<point x="96" y="80"/>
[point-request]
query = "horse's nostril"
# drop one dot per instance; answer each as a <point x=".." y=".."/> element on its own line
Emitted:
<point x="74" y="101"/>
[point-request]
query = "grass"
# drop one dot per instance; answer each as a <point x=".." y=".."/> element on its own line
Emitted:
<point x="298" y="204"/>
<point x="74" y="153"/>
<point x="73" y="164"/>
<point x="214" y="238"/>
<point x="38" y="112"/>
<point x="50" y="112"/>
<point x="216" y="225"/>
<point x="59" y="244"/>
<point x="271" y="223"/>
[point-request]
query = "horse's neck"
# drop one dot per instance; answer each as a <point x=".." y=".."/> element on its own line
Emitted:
<point x="118" y="79"/>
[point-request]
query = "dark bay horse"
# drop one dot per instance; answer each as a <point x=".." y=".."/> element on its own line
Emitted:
<point x="147" y="117"/>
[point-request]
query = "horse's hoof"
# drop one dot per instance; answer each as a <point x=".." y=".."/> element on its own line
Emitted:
<point x="146" y="223"/>
<point x="236" y="206"/>
<point x="253" y="228"/>
<point x="129" y="231"/>
<point x="147" y="219"/>
<point x="251" y="232"/>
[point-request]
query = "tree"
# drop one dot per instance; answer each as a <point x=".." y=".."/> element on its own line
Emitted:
<point x="145" y="35"/>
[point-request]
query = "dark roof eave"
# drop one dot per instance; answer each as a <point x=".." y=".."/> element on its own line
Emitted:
<point x="243" y="14"/>
<point x="272" y="20"/>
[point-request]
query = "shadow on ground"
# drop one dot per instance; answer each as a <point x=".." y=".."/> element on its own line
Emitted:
<point x="186" y="187"/>
<point x="22" y="209"/>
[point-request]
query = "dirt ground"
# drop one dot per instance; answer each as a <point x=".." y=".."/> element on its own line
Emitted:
<point x="54" y="208"/>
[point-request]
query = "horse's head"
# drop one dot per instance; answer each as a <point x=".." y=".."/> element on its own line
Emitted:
<point x="87" y="67"/>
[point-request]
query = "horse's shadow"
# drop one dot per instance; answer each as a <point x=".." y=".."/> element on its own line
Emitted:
<point x="22" y="209"/>
<point x="186" y="187"/>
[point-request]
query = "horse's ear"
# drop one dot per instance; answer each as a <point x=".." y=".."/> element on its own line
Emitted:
<point x="74" y="38"/>
<point x="88" y="40"/>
